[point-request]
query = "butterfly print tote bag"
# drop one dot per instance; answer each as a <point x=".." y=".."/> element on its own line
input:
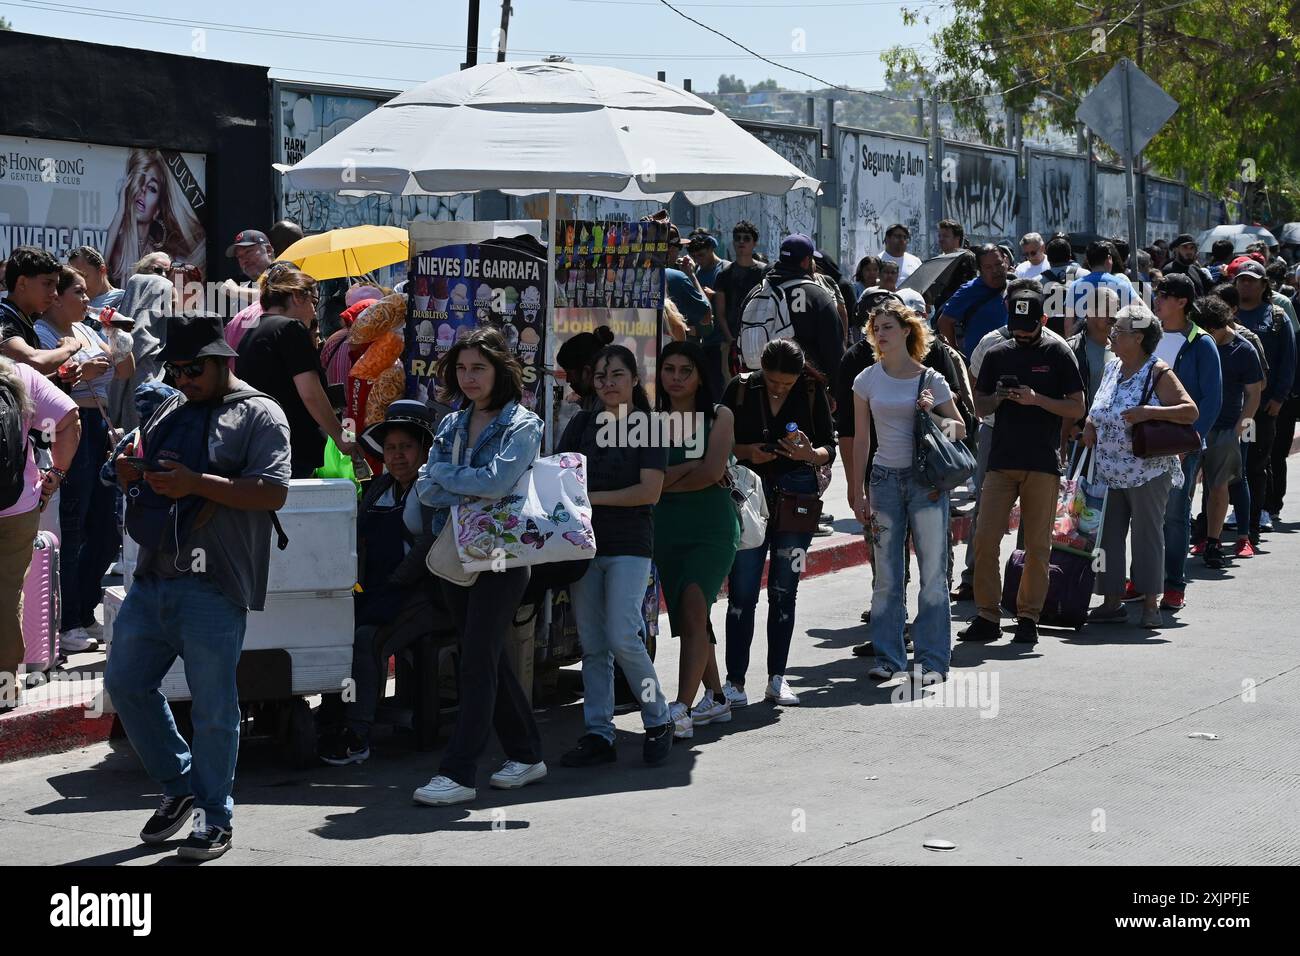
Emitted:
<point x="545" y="518"/>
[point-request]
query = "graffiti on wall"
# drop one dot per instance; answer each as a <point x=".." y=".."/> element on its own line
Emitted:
<point x="306" y="119"/>
<point x="882" y="181"/>
<point x="586" y="208"/>
<point x="1164" y="210"/>
<point x="1198" y="212"/>
<point x="1058" y="194"/>
<point x="979" y="191"/>
<point x="775" y="216"/>
<point x="1111" y="217"/>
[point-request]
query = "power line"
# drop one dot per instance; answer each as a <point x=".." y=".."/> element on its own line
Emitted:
<point x="353" y="40"/>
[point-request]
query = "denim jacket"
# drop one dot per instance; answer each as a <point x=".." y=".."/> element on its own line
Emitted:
<point x="505" y="450"/>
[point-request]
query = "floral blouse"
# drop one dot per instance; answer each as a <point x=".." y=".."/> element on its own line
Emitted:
<point x="1117" y="466"/>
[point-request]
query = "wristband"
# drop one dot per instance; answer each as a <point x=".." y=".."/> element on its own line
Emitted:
<point x="58" y="473"/>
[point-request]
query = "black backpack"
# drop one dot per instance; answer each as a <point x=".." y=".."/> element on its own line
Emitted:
<point x="13" y="448"/>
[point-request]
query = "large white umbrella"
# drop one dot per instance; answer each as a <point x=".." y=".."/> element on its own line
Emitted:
<point x="533" y="127"/>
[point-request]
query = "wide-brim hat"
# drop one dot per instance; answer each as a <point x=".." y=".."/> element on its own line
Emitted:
<point x="194" y="335"/>
<point x="403" y="411"/>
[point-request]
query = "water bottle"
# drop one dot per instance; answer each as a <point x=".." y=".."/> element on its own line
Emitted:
<point x="790" y="429"/>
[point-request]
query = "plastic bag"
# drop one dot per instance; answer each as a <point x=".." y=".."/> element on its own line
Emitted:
<point x="386" y="315"/>
<point x="378" y="357"/>
<point x="337" y="465"/>
<point x="388" y="387"/>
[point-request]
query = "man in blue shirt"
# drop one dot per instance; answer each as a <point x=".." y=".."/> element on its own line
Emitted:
<point x="977" y="308"/>
<point x="1100" y="259"/>
<point x="1255" y="311"/>
<point x="1194" y="357"/>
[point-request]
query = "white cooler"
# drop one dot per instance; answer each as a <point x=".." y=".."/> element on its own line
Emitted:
<point x="309" y="590"/>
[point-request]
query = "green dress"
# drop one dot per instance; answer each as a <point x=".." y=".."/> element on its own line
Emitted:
<point x="696" y="536"/>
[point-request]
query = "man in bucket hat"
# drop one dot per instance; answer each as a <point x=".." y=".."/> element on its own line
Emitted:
<point x="209" y="468"/>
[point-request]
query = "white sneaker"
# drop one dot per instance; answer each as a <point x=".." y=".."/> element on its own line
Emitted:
<point x="514" y="774"/>
<point x="1265" y="521"/>
<point x="683" y="727"/>
<point x="76" y="640"/>
<point x="880" y="672"/>
<point x="778" y="690"/>
<point x="736" y="696"/>
<point x="931" y="677"/>
<point x="442" y="791"/>
<point x="95" y="632"/>
<point x="710" y="711"/>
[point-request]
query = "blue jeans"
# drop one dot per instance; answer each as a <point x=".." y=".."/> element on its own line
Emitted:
<point x="88" y="533"/>
<point x="607" y="604"/>
<point x="160" y="620"/>
<point x="900" y="503"/>
<point x="789" y="552"/>
<point x="1178" y="526"/>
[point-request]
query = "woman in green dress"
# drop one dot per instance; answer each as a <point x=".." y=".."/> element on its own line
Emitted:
<point x="697" y="529"/>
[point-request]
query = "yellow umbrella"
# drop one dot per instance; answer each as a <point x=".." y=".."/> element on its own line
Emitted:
<point x="349" y="252"/>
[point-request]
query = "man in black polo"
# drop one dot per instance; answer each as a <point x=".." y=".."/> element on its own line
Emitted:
<point x="1033" y="384"/>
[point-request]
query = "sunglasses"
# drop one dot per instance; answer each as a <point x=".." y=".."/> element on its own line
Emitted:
<point x="192" y="370"/>
<point x="159" y="270"/>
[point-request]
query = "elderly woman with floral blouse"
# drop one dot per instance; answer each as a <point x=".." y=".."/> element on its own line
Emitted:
<point x="1138" y="387"/>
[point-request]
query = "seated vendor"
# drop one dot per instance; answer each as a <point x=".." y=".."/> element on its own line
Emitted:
<point x="396" y="602"/>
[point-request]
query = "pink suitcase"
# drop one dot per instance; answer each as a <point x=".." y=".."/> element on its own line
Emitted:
<point x="41" y="604"/>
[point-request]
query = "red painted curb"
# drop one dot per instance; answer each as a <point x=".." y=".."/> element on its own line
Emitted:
<point x="50" y="730"/>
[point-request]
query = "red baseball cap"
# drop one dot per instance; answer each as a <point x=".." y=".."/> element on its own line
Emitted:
<point x="247" y="237"/>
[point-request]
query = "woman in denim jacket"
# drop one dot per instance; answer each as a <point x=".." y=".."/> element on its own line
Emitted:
<point x="498" y="441"/>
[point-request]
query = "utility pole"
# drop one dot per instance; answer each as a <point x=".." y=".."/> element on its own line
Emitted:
<point x="471" y="40"/>
<point x="506" y="13"/>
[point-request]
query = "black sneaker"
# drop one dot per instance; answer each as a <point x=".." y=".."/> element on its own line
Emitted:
<point x="658" y="742"/>
<point x="171" y="815"/>
<point x="1213" y="555"/>
<point x="345" y="747"/>
<point x="869" y="649"/>
<point x="866" y="616"/>
<point x="964" y="592"/>
<point x="592" y="749"/>
<point x="206" y="844"/>
<point x="1026" y="631"/>
<point x="980" y="629"/>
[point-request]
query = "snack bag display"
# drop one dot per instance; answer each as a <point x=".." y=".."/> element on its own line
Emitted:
<point x="376" y="359"/>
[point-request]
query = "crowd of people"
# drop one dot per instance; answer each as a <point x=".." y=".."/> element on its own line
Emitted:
<point x="188" y="429"/>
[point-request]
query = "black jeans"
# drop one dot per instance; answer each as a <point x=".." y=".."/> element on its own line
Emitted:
<point x="1286" y="420"/>
<point x="1259" y="465"/>
<point x="490" y="695"/>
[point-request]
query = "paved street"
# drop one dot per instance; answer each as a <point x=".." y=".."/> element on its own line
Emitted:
<point x="1077" y="751"/>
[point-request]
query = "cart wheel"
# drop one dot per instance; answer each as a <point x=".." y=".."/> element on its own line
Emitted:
<point x="297" y="735"/>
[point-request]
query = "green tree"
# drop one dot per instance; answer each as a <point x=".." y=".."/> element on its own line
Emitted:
<point x="1232" y="66"/>
<point x="768" y="84"/>
<point x="730" y="84"/>
<point x="5" y="24"/>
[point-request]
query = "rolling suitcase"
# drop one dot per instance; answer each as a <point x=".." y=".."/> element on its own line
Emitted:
<point x="41" y="604"/>
<point x="1069" y="588"/>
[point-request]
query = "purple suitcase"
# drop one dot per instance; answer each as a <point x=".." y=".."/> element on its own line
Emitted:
<point x="41" y="604"/>
<point x="1069" y="588"/>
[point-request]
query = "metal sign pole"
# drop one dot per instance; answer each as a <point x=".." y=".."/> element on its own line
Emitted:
<point x="1129" y="160"/>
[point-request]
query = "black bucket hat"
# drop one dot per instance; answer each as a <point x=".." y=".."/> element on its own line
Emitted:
<point x="403" y="411"/>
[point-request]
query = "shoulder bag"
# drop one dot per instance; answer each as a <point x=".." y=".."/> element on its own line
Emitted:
<point x="443" y="559"/>
<point x="1157" y="438"/>
<point x="791" y="511"/>
<point x="939" y="462"/>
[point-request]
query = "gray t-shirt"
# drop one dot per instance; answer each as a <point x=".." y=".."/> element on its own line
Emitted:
<point x="1098" y="358"/>
<point x="248" y="439"/>
<point x="893" y="409"/>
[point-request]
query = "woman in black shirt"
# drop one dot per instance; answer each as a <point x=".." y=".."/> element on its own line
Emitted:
<point x="785" y="392"/>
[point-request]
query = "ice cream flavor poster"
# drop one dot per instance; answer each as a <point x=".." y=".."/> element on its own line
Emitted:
<point x="611" y="265"/>
<point x="455" y="289"/>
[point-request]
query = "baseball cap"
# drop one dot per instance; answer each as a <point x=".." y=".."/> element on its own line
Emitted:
<point x="1248" y="268"/>
<point x="246" y="237"/>
<point x="796" y="248"/>
<point x="1178" y="285"/>
<point x="913" y="300"/>
<point x="1024" y="310"/>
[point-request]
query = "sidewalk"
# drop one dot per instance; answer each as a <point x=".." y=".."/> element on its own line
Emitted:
<point x="54" y="718"/>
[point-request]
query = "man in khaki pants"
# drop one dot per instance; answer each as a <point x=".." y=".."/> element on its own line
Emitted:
<point x="1033" y="383"/>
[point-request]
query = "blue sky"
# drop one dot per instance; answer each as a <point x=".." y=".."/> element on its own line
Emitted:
<point x="408" y="41"/>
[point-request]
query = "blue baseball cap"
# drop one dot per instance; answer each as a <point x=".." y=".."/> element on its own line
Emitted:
<point x="796" y="248"/>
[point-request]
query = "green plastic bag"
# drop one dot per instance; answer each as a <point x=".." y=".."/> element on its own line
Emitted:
<point x="337" y="465"/>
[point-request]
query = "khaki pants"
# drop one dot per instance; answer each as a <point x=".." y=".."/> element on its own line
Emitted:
<point x="17" y="532"/>
<point x="1037" y="491"/>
